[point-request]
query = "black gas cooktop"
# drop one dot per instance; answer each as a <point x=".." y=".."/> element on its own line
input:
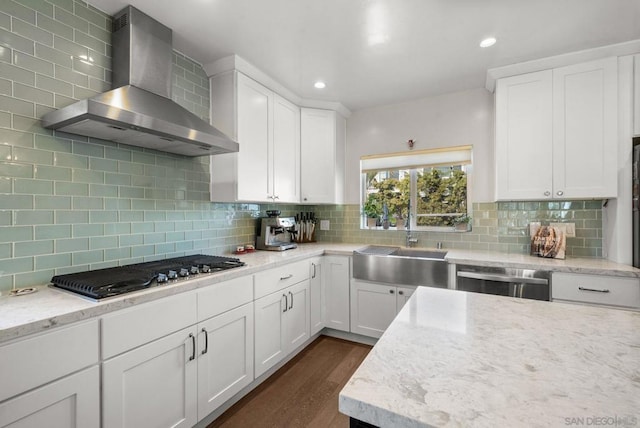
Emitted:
<point x="102" y="283"/>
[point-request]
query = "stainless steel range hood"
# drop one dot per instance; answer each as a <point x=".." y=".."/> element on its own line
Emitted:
<point x="140" y="111"/>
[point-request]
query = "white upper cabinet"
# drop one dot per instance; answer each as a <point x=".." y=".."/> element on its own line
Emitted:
<point x="585" y="130"/>
<point x="524" y="136"/>
<point x="286" y="151"/>
<point x="323" y="136"/>
<point x="556" y="133"/>
<point x="636" y="97"/>
<point x="267" y="128"/>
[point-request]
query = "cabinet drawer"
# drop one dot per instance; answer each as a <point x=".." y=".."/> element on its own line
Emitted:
<point x="597" y="289"/>
<point x="132" y="327"/>
<point x="278" y="278"/>
<point x="35" y="361"/>
<point x="224" y="296"/>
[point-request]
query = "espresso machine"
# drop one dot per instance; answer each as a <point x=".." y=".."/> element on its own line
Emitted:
<point x="276" y="233"/>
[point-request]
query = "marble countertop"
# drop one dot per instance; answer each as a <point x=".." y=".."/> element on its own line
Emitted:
<point x="525" y="261"/>
<point x="48" y="307"/>
<point x="454" y="359"/>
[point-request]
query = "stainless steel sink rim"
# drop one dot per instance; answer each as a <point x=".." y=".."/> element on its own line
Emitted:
<point x="386" y="251"/>
<point x="405" y="267"/>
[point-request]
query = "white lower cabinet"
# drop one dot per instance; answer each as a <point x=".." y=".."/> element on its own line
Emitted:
<point x="335" y="280"/>
<point x="281" y="325"/>
<point x="225" y="357"/>
<point x="402" y="296"/>
<point x="52" y="379"/>
<point x="154" y="385"/>
<point x="596" y="290"/>
<point x="73" y="401"/>
<point x="375" y="305"/>
<point x="178" y="371"/>
<point x="316" y="296"/>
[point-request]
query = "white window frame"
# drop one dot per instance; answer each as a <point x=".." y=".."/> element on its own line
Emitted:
<point x="459" y="155"/>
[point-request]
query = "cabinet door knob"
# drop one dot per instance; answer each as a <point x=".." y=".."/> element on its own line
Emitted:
<point x="559" y="193"/>
<point x="390" y="291"/>
<point x="276" y="197"/>
<point x="547" y="193"/>
<point x="305" y="199"/>
<point x="401" y="293"/>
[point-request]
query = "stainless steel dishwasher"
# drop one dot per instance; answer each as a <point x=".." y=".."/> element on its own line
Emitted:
<point x="520" y="283"/>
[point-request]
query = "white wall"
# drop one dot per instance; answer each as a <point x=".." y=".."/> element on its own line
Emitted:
<point x="454" y="119"/>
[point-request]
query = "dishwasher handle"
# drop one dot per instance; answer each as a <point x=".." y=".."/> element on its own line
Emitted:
<point x="503" y="278"/>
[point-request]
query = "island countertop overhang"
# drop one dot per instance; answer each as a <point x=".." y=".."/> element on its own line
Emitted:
<point x="450" y="358"/>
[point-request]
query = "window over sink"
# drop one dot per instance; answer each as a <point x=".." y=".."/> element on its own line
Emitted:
<point x="428" y="188"/>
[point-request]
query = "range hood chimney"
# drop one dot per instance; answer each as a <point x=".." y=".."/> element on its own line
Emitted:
<point x="140" y="111"/>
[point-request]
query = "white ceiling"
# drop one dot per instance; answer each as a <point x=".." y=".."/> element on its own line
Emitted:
<point x="376" y="52"/>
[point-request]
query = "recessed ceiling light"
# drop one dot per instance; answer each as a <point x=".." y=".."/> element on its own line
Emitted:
<point x="319" y="85"/>
<point x="489" y="41"/>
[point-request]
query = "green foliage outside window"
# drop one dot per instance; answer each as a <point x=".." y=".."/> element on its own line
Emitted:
<point x="441" y="194"/>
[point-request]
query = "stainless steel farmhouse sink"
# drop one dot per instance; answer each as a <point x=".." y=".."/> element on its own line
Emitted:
<point x="398" y="265"/>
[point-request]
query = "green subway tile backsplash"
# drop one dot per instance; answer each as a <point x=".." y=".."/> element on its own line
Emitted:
<point x="501" y="226"/>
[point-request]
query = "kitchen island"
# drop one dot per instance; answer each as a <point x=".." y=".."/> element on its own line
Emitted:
<point x="453" y="359"/>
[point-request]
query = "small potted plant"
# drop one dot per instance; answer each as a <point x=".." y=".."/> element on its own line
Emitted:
<point x="372" y="210"/>
<point x="461" y="223"/>
<point x="399" y="215"/>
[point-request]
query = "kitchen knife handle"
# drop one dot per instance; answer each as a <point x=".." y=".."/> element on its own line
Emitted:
<point x="206" y="341"/>
<point x="193" y="344"/>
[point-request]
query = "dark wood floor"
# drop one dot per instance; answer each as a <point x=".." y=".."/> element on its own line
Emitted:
<point x="304" y="392"/>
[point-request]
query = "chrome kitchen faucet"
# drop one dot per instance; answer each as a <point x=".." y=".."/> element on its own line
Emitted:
<point x="410" y="238"/>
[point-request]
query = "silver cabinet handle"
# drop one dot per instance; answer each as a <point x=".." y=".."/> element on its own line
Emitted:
<point x="502" y="278"/>
<point x="559" y="193"/>
<point x="291" y="304"/>
<point x="286" y="302"/>
<point x="276" y="197"/>
<point x="193" y="343"/>
<point x="604" y="290"/>
<point x="282" y="278"/>
<point x="547" y="193"/>
<point x="314" y="270"/>
<point x="206" y="341"/>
